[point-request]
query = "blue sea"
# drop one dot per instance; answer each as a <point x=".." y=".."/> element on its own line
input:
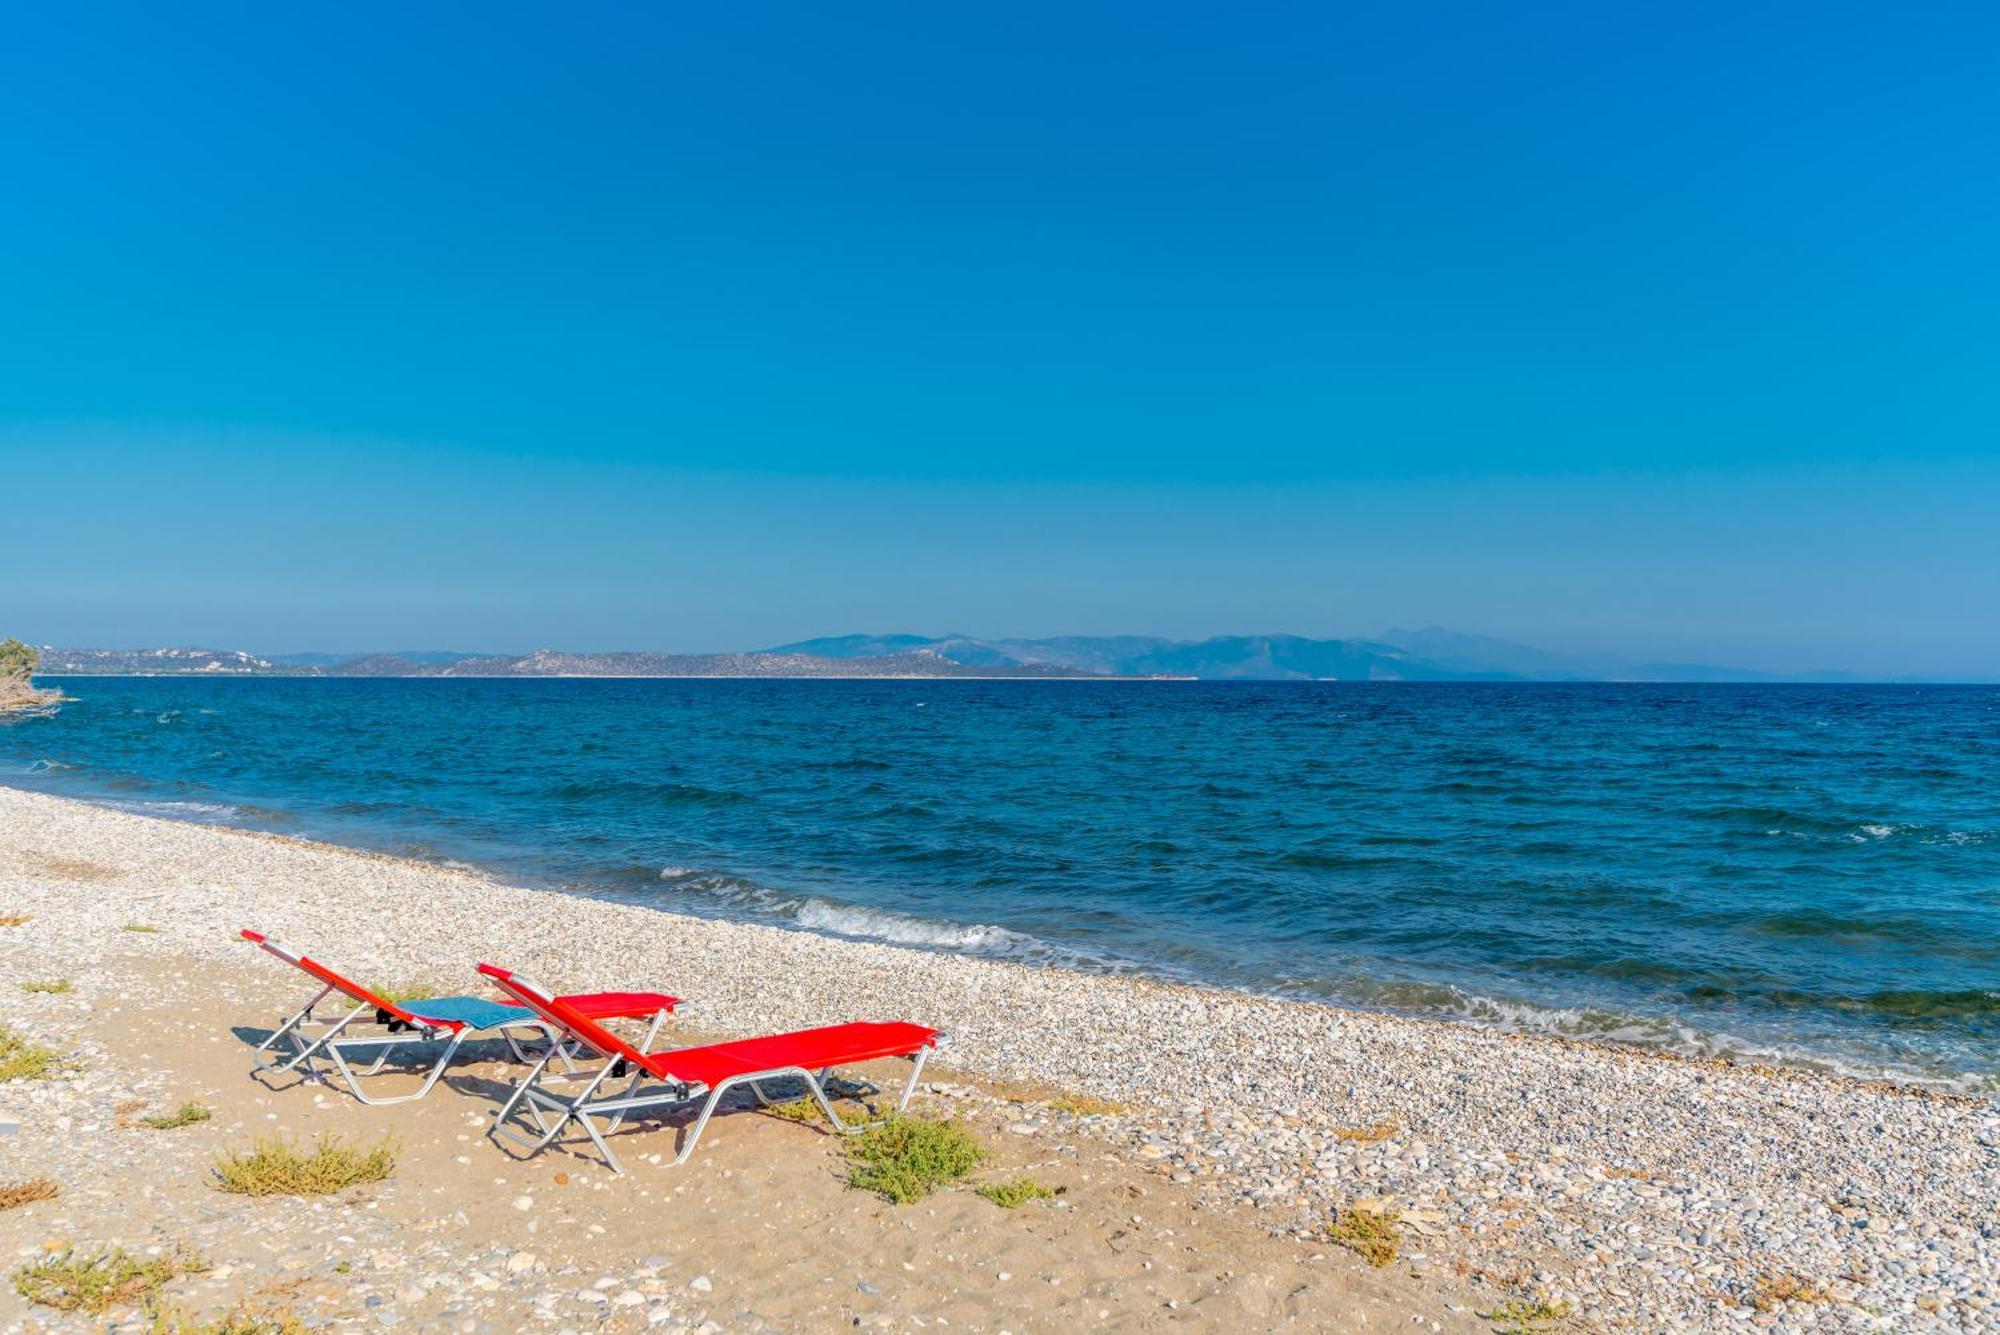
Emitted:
<point x="1803" y="873"/>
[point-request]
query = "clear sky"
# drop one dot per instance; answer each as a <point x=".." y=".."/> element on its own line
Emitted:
<point x="1674" y="333"/>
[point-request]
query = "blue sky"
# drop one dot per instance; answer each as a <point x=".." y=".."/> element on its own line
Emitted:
<point x="492" y="327"/>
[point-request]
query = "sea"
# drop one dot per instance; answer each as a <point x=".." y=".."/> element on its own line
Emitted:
<point x="1799" y="874"/>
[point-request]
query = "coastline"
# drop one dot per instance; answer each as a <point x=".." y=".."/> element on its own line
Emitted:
<point x="1640" y="1187"/>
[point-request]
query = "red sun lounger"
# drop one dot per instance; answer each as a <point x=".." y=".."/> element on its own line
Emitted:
<point x="377" y="1022"/>
<point x="705" y="1073"/>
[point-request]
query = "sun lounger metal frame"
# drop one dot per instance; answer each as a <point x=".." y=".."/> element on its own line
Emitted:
<point x="550" y="1112"/>
<point x="392" y="1026"/>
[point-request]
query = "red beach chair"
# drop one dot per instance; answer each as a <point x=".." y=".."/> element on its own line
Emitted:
<point x="377" y="1022"/>
<point x="705" y="1073"/>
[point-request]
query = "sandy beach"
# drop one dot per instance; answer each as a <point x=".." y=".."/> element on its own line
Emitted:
<point x="1204" y="1140"/>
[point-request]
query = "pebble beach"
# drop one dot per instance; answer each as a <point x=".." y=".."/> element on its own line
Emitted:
<point x="1620" y="1189"/>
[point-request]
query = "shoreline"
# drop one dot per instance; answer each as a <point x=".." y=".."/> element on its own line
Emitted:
<point x="1528" y="1155"/>
<point x="1738" y="1052"/>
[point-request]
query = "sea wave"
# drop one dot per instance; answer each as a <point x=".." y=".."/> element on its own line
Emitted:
<point x="736" y="896"/>
<point x="203" y="813"/>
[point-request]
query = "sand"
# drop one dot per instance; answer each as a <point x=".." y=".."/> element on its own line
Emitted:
<point x="1632" y="1191"/>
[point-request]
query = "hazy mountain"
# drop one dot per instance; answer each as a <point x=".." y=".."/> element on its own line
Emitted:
<point x="541" y="663"/>
<point x="1430" y="654"/>
<point x="1228" y="657"/>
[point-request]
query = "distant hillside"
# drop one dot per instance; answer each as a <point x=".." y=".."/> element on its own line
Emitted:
<point x="541" y="663"/>
<point x="1224" y="658"/>
<point x="1431" y="654"/>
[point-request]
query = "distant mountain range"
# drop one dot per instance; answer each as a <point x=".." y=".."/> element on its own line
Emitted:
<point x="1432" y="654"/>
<point x="541" y="663"/>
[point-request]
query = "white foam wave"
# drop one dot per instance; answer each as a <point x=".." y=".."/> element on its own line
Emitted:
<point x="900" y="929"/>
<point x="857" y="922"/>
<point x="207" y="813"/>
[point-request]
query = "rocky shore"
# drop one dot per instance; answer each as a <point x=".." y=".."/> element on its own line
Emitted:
<point x="20" y="693"/>
<point x="1610" y="1188"/>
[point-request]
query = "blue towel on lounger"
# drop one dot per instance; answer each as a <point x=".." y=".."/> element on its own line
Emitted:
<point x="473" y="1012"/>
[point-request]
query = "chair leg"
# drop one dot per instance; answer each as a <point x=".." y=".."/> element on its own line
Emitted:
<point x="916" y="1074"/>
<point x="430" y="1078"/>
<point x="303" y="1051"/>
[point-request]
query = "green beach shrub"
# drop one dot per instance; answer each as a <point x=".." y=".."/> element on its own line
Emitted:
<point x="95" y="1282"/>
<point x="1370" y="1234"/>
<point x="186" y="1115"/>
<point x="22" y="1060"/>
<point x="1526" y="1316"/>
<point x="177" y="1321"/>
<point x="51" y="986"/>
<point x="1013" y="1194"/>
<point x="276" y="1166"/>
<point x="905" y="1159"/>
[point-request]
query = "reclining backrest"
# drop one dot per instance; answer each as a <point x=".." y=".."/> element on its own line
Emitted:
<point x="338" y="982"/>
<point x="566" y="1017"/>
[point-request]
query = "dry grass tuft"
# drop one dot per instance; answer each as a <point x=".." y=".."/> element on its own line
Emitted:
<point x="186" y="1115"/>
<point x="27" y="1193"/>
<point x="1370" y="1234"/>
<point x="51" y="986"/>
<point x="101" y="1280"/>
<point x="1084" y="1105"/>
<point x="1011" y="1195"/>
<point x="22" y="1060"/>
<point x="177" y="1321"/>
<point x="15" y="919"/>
<point x="1526" y="1316"/>
<point x="907" y="1158"/>
<point x="1367" y="1135"/>
<point x="402" y="992"/>
<point x="1774" y="1291"/>
<point x="276" y="1166"/>
<point x="138" y="927"/>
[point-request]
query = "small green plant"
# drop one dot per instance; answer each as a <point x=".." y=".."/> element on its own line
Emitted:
<point x="276" y="1166"/>
<point x="186" y="1115"/>
<point x="137" y="927"/>
<point x="1084" y="1105"/>
<point x="1526" y="1316"/>
<point x="52" y="986"/>
<point x="177" y="1321"/>
<point x="403" y="992"/>
<point x="1370" y="1234"/>
<point x="98" y="1281"/>
<point x="907" y="1158"/>
<point x="1013" y="1194"/>
<point x="804" y="1111"/>
<point x="27" y="1193"/>
<point x="22" y="1060"/>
